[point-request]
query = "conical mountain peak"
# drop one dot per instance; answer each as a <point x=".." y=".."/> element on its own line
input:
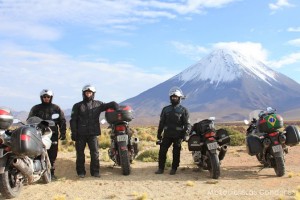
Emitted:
<point x="226" y="65"/>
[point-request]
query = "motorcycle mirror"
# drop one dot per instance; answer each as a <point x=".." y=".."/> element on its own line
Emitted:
<point x="103" y="121"/>
<point x="212" y="118"/>
<point x="55" y="116"/>
<point x="246" y="121"/>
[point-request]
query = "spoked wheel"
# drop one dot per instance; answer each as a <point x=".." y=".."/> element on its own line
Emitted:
<point x="10" y="184"/>
<point x="213" y="165"/>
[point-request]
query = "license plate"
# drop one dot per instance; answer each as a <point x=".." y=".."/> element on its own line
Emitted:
<point x="122" y="138"/>
<point x="277" y="148"/>
<point x="213" y="145"/>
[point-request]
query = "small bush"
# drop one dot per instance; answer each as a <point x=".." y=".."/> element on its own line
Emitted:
<point x="150" y="155"/>
<point x="236" y="137"/>
<point x="104" y="140"/>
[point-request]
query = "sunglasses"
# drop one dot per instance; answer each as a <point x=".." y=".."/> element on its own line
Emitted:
<point x="48" y="97"/>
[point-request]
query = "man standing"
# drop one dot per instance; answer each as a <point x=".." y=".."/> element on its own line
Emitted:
<point x="175" y="125"/>
<point x="85" y="128"/>
<point x="45" y="110"/>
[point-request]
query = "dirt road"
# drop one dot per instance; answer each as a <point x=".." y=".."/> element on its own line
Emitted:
<point x="241" y="178"/>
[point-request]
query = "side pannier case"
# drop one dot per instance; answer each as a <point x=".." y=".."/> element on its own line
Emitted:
<point x="6" y="119"/>
<point x="194" y="142"/>
<point x="254" y="145"/>
<point x="270" y="123"/>
<point x="26" y="141"/>
<point x="292" y="135"/>
<point x="223" y="137"/>
<point x="125" y="113"/>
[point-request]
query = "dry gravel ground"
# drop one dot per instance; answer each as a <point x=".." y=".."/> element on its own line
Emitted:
<point x="241" y="178"/>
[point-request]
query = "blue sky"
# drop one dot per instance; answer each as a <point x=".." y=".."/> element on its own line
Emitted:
<point x="125" y="47"/>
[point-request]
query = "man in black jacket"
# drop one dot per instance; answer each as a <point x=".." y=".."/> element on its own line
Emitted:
<point x="85" y="128"/>
<point x="175" y="125"/>
<point x="45" y="110"/>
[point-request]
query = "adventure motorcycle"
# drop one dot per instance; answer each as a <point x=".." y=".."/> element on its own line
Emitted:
<point x="123" y="148"/>
<point x="266" y="141"/>
<point x="208" y="146"/>
<point x="23" y="153"/>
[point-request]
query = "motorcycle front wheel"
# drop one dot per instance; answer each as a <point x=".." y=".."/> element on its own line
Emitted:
<point x="213" y="165"/>
<point x="10" y="186"/>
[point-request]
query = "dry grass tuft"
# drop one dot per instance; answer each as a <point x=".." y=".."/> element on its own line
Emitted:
<point x="190" y="183"/>
<point x="143" y="196"/>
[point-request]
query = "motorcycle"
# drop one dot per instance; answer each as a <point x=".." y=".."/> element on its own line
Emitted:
<point x="123" y="147"/>
<point x="208" y="146"/>
<point x="266" y="141"/>
<point x="23" y="152"/>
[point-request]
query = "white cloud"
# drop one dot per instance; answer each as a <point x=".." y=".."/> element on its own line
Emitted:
<point x="286" y="60"/>
<point x="294" y="29"/>
<point x="251" y="49"/>
<point x="295" y="42"/>
<point x="280" y="4"/>
<point x="194" y="52"/>
<point x="27" y="72"/>
<point x="97" y="14"/>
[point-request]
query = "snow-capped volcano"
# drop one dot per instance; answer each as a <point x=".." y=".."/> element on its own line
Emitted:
<point x="225" y="65"/>
<point x="225" y="84"/>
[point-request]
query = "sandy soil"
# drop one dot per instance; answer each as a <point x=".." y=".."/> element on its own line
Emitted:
<point x="241" y="178"/>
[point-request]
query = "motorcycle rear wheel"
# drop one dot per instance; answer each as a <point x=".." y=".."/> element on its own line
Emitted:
<point x="8" y="186"/>
<point x="213" y="165"/>
<point x="279" y="166"/>
<point x="124" y="161"/>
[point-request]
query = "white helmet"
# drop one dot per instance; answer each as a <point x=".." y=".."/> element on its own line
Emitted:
<point x="46" y="92"/>
<point x="89" y="87"/>
<point x="176" y="91"/>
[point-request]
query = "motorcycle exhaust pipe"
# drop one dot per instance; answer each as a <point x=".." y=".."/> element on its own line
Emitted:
<point x="223" y="152"/>
<point x="136" y="140"/>
<point x="24" y="168"/>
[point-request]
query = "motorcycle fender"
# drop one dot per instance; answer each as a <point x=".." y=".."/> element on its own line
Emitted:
<point x="3" y="162"/>
<point x="123" y="146"/>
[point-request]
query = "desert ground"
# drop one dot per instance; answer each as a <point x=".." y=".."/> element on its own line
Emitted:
<point x="242" y="177"/>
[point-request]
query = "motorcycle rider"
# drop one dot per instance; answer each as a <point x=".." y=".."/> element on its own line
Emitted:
<point x="45" y="110"/>
<point x="85" y="128"/>
<point x="175" y="125"/>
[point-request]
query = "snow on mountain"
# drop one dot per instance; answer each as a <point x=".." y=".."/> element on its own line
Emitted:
<point x="225" y="84"/>
<point x="225" y="65"/>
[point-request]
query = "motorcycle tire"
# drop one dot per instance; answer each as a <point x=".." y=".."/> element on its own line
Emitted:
<point x="124" y="161"/>
<point x="279" y="166"/>
<point x="260" y="159"/>
<point x="8" y="186"/>
<point x="213" y="165"/>
<point x="46" y="177"/>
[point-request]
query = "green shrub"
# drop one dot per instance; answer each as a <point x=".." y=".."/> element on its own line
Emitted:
<point x="150" y="155"/>
<point x="236" y="137"/>
<point x="104" y="140"/>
